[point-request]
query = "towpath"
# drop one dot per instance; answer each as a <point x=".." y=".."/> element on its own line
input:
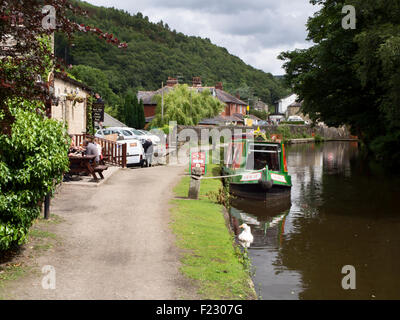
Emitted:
<point x="116" y="242"/>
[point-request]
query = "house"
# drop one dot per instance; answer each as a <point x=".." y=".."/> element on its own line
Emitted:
<point x="284" y="103"/>
<point x="294" y="109"/>
<point x="70" y="103"/>
<point x="261" y="106"/>
<point x="233" y="105"/>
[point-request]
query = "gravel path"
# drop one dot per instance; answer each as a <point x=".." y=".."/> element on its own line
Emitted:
<point x="116" y="242"/>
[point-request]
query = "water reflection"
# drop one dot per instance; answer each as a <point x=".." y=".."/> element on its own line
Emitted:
<point x="342" y="212"/>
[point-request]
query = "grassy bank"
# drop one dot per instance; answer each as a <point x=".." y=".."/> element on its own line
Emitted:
<point x="20" y="262"/>
<point x="209" y="257"/>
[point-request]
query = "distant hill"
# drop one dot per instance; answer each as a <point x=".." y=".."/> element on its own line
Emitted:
<point x="155" y="53"/>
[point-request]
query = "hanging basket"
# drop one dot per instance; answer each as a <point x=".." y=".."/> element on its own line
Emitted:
<point x="71" y="97"/>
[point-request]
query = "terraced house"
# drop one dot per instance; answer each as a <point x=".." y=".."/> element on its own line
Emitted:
<point x="234" y="111"/>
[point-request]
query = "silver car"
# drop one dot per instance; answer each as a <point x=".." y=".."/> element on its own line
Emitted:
<point x="123" y="133"/>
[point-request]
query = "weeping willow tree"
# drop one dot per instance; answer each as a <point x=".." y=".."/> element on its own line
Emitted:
<point x="186" y="106"/>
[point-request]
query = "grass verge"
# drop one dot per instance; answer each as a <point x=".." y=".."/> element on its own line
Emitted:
<point x="19" y="262"/>
<point x="210" y="256"/>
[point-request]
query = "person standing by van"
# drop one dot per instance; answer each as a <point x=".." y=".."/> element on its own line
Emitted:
<point x="148" y="151"/>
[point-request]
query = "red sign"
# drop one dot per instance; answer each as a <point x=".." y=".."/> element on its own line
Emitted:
<point x="198" y="160"/>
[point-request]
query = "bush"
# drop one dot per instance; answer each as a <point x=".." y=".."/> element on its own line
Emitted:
<point x="284" y="130"/>
<point x="293" y="122"/>
<point x="32" y="161"/>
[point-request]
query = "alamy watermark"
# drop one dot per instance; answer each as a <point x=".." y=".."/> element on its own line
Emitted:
<point x="49" y="280"/>
<point x="349" y="281"/>
<point x="350" y="20"/>
<point x="49" y="21"/>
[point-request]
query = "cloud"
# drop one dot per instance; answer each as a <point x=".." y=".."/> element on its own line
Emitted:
<point x="255" y="30"/>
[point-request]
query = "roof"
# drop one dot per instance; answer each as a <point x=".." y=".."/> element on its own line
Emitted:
<point x="228" y="98"/>
<point x="110" y="121"/>
<point x="220" y="120"/>
<point x="252" y="116"/>
<point x="64" y="77"/>
<point x="149" y="119"/>
<point x="295" y="104"/>
<point x="148" y="96"/>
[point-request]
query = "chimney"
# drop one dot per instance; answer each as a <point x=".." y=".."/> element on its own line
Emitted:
<point x="172" y="82"/>
<point x="196" y="82"/>
<point x="238" y="95"/>
<point x="219" y="86"/>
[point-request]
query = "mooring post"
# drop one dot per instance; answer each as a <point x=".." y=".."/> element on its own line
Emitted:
<point x="194" y="188"/>
<point x="47" y="207"/>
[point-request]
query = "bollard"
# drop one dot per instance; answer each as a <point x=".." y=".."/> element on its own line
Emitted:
<point x="47" y="207"/>
<point x="194" y="188"/>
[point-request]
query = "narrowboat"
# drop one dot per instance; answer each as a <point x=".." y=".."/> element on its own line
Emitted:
<point x="256" y="167"/>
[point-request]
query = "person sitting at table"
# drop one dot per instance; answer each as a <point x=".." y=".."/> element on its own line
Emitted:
<point x="72" y="148"/>
<point x="91" y="149"/>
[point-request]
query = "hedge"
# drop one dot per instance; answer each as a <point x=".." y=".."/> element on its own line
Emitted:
<point x="32" y="161"/>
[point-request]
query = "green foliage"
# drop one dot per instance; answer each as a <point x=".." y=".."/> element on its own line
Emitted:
<point x="293" y="122"/>
<point x="141" y="119"/>
<point x="32" y="161"/>
<point x="130" y="109"/>
<point x="186" y="106"/>
<point x="133" y="112"/>
<point x="284" y="130"/>
<point x="351" y="77"/>
<point x="89" y="119"/>
<point x="318" y="138"/>
<point x="155" y="53"/>
<point x="287" y="133"/>
<point x="263" y="115"/>
<point x="98" y="80"/>
<point x="211" y="258"/>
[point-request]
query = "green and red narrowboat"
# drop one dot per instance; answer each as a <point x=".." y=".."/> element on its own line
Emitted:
<point x="257" y="168"/>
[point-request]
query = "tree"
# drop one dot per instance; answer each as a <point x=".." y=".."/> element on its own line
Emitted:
<point x="32" y="160"/>
<point x="33" y="148"/>
<point x="130" y="110"/>
<point x="141" y="119"/>
<point x="186" y="106"/>
<point x="351" y="76"/>
<point x="26" y="57"/>
<point x="97" y="80"/>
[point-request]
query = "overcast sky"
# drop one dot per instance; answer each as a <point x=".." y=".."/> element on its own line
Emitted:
<point x="254" y="30"/>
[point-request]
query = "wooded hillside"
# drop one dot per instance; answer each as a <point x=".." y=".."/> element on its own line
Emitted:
<point x="155" y="52"/>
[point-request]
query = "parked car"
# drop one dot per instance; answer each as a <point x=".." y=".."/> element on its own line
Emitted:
<point x="134" y="148"/>
<point x="144" y="135"/>
<point x="295" y="119"/>
<point x="137" y="134"/>
<point x="123" y="133"/>
<point x="154" y="138"/>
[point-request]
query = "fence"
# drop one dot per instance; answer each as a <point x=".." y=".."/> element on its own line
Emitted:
<point x="113" y="153"/>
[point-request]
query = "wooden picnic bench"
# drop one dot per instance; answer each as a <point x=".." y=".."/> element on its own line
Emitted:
<point x="85" y="164"/>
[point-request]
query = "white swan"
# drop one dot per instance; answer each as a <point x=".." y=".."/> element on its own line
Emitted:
<point x="246" y="238"/>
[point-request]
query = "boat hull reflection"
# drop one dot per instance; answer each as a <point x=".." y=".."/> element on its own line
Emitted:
<point x="266" y="219"/>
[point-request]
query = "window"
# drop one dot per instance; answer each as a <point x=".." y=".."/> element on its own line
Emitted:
<point x="127" y="133"/>
<point x="262" y="155"/>
<point x="237" y="155"/>
<point x="233" y="157"/>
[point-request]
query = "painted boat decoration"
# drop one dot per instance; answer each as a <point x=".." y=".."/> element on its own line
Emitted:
<point x="257" y="167"/>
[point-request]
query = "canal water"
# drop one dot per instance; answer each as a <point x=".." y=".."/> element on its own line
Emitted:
<point x="342" y="211"/>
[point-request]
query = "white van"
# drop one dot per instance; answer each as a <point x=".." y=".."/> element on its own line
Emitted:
<point x="134" y="152"/>
<point x="134" y="148"/>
